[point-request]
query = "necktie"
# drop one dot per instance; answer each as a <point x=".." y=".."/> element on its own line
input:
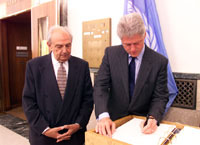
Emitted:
<point x="131" y="77"/>
<point x="61" y="79"/>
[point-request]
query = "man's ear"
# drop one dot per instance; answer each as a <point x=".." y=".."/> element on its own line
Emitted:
<point x="49" y="44"/>
<point x="145" y="34"/>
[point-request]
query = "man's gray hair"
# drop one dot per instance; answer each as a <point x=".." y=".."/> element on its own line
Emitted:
<point x="130" y="25"/>
<point x="57" y="27"/>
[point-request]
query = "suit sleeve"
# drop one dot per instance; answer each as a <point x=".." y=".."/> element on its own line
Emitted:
<point x="87" y="99"/>
<point x="36" y="120"/>
<point x="102" y="86"/>
<point x="160" y="94"/>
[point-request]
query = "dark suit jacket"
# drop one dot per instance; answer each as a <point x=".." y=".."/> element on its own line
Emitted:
<point x="42" y="101"/>
<point x="111" y="90"/>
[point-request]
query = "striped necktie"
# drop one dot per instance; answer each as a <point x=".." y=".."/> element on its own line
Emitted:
<point x="61" y="79"/>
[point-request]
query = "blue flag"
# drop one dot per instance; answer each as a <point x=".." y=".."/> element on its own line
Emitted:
<point x="147" y="10"/>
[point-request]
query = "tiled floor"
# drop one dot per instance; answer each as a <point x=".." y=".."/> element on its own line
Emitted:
<point x="8" y="137"/>
<point x="13" y="130"/>
<point x="15" y="124"/>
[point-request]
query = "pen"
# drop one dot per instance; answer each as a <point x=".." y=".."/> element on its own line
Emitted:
<point x="146" y="121"/>
<point x="148" y="117"/>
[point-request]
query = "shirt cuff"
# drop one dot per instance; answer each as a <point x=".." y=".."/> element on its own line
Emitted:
<point x="103" y="115"/>
<point x="45" y="130"/>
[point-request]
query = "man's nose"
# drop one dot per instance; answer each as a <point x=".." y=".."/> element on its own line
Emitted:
<point x="65" y="49"/>
<point x="132" y="47"/>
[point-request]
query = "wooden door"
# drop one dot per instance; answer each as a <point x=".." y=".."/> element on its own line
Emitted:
<point x="19" y="52"/>
<point x="15" y="51"/>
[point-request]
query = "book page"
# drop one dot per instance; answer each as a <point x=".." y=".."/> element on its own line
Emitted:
<point x="131" y="133"/>
<point x="187" y="136"/>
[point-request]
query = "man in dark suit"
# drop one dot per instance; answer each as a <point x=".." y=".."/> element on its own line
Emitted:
<point x="132" y="80"/>
<point x="57" y="96"/>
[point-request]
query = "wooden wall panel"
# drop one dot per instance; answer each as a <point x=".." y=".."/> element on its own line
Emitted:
<point x="14" y="6"/>
<point x="43" y="10"/>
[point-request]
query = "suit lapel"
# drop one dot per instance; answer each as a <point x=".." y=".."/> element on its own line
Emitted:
<point x="143" y="73"/>
<point x="123" y="59"/>
<point x="50" y="82"/>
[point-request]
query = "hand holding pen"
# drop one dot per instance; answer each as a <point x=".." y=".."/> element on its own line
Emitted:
<point x="149" y="126"/>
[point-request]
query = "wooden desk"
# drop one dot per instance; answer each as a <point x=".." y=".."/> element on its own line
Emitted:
<point x="92" y="138"/>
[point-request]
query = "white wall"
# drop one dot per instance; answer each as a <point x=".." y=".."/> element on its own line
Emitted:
<point x="85" y="10"/>
<point x="180" y="23"/>
<point x="179" y="19"/>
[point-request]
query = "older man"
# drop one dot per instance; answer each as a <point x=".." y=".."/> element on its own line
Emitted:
<point x="57" y="96"/>
<point x="132" y="80"/>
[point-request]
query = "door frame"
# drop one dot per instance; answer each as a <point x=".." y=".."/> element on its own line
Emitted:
<point x="4" y="72"/>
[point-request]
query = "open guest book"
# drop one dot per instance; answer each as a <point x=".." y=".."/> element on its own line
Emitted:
<point x="130" y="132"/>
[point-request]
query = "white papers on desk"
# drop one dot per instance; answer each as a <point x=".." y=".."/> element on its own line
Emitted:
<point x="130" y="132"/>
<point x="187" y="136"/>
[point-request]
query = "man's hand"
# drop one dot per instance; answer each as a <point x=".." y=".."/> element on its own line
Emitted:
<point x="72" y="128"/>
<point x="150" y="127"/>
<point x="53" y="132"/>
<point x="105" y="126"/>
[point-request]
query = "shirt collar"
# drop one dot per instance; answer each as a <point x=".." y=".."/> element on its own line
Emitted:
<point x="54" y="61"/>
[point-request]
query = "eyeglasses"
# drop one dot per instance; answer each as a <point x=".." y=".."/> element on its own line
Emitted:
<point x="168" y="139"/>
